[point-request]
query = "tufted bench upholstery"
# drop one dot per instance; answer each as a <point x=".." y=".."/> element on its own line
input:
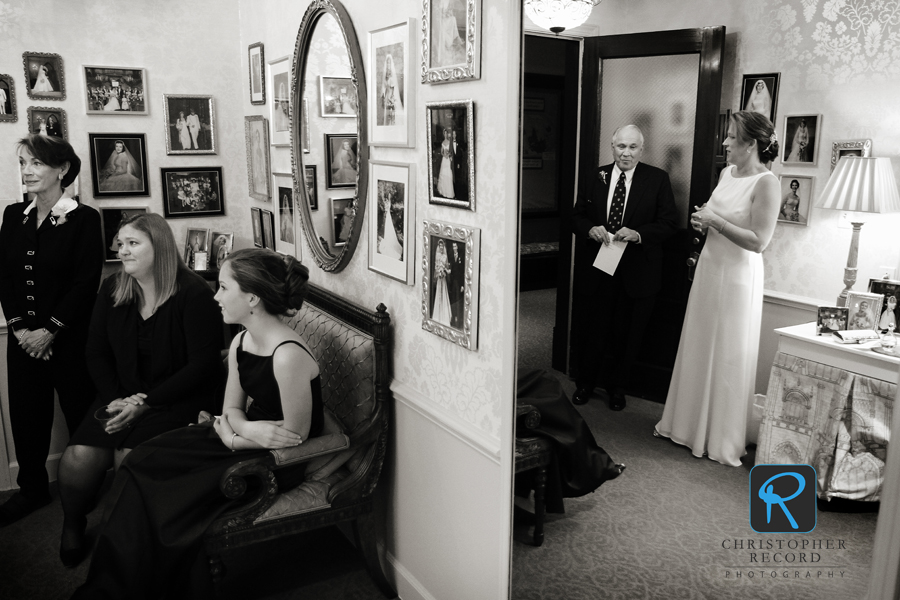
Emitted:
<point x="342" y="467"/>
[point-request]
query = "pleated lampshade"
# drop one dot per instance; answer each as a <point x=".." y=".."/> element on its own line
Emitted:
<point x="862" y="185"/>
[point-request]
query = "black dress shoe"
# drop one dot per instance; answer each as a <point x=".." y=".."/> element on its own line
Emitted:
<point x="72" y="557"/>
<point x="617" y="400"/>
<point x="581" y="396"/>
<point x="73" y="546"/>
<point x="18" y="506"/>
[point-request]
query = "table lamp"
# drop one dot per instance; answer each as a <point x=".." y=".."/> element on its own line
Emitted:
<point x="860" y="185"/>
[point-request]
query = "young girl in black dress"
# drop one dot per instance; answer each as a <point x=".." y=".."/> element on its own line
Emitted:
<point x="167" y="490"/>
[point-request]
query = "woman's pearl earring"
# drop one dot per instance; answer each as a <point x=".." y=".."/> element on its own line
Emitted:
<point x="61" y="175"/>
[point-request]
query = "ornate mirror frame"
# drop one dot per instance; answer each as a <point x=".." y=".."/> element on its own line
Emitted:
<point x="333" y="263"/>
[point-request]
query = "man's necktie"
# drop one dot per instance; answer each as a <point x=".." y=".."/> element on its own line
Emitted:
<point x="618" y="205"/>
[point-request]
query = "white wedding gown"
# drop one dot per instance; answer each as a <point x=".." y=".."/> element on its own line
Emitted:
<point x="390" y="245"/>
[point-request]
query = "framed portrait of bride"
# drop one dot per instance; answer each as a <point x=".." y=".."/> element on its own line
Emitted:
<point x="44" y="76"/>
<point x="759" y="93"/>
<point x="392" y="106"/>
<point x="451" y="49"/>
<point x="119" y="164"/>
<point x="450" y="285"/>
<point x="450" y="143"/>
<point x="391" y="224"/>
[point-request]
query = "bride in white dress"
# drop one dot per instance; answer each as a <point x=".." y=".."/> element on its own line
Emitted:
<point x="445" y="175"/>
<point x="43" y="83"/>
<point x="441" y="310"/>
<point x="389" y="244"/>
<point x="760" y="99"/>
<point x="712" y="386"/>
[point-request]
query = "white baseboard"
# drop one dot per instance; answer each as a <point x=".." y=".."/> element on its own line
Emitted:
<point x="408" y="587"/>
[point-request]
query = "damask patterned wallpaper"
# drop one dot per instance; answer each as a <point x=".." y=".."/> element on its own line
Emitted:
<point x="837" y="58"/>
<point x="468" y="385"/>
<point x="186" y="48"/>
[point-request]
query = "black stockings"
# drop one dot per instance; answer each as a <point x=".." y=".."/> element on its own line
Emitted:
<point x="82" y="470"/>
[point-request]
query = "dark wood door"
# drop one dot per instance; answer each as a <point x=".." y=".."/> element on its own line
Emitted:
<point x="661" y="343"/>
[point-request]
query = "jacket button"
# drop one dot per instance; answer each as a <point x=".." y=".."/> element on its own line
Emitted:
<point x="30" y="313"/>
<point x="27" y="267"/>
<point x="30" y="253"/>
<point x="29" y="282"/>
<point x="30" y="297"/>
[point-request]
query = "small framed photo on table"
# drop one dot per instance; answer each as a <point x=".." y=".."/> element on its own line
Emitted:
<point x="256" y="56"/>
<point x="341" y="158"/>
<point x="864" y="310"/>
<point x="115" y="90"/>
<point x="8" y="99"/>
<point x="110" y="219"/>
<point x="119" y="164"/>
<point x="219" y="248"/>
<point x="48" y="121"/>
<point x="256" y="221"/>
<point x="193" y="192"/>
<point x="268" y="228"/>
<point x="391" y="237"/>
<point x="44" y="76"/>
<point x="800" y="142"/>
<point x="450" y="285"/>
<point x="450" y="143"/>
<point x="196" y="240"/>
<point x="889" y="290"/>
<point x="392" y="108"/>
<point x="190" y="124"/>
<point x="759" y="94"/>
<point x="841" y="148"/>
<point x="796" y="192"/>
<point x="830" y="319"/>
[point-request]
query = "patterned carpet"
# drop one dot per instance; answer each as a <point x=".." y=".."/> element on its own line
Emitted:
<point x="666" y="527"/>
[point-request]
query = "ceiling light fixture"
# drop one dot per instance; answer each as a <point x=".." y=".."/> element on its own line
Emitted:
<point x="559" y="15"/>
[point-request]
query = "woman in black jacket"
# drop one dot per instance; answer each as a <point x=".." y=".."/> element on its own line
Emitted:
<point x="51" y="255"/>
<point x="154" y="352"/>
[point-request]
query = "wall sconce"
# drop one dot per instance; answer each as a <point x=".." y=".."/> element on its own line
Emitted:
<point x="860" y="185"/>
<point x="559" y="15"/>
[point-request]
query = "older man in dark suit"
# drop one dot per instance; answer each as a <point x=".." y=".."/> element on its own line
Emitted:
<point x="630" y="202"/>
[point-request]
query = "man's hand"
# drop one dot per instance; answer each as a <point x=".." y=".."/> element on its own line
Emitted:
<point x="599" y="234"/>
<point x="627" y="235"/>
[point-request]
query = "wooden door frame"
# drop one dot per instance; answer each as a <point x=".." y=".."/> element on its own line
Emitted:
<point x="709" y="43"/>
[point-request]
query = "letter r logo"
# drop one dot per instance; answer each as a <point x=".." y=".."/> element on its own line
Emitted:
<point x="783" y="498"/>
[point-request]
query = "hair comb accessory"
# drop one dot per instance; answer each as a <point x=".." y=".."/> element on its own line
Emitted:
<point x="772" y="139"/>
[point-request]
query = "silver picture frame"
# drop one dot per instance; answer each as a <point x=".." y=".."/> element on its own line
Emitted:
<point x="451" y="53"/>
<point x="841" y="148"/>
<point x="459" y="117"/>
<point x="203" y="139"/>
<point x="451" y="256"/>
<point x="256" y="137"/>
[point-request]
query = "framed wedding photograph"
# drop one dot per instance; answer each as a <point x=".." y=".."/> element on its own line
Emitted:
<point x="830" y="319"/>
<point x="44" y="76"/>
<point x="451" y="48"/>
<point x="279" y="82"/>
<point x="841" y="148"/>
<point x="392" y="108"/>
<point x="256" y="56"/>
<point x="342" y="213"/>
<point x="391" y="238"/>
<point x="337" y="97"/>
<point x="864" y="310"/>
<point x="285" y="235"/>
<point x="341" y="164"/>
<point x="311" y="180"/>
<point x="110" y="218"/>
<point x="256" y="221"/>
<point x="889" y="291"/>
<point x="193" y="192"/>
<point x="195" y="240"/>
<point x="190" y="124"/>
<point x="268" y="228"/>
<point x="115" y="90"/>
<point x="450" y="287"/>
<point x="220" y="247"/>
<point x="256" y="136"/>
<point x="8" y="99"/>
<point x="450" y="141"/>
<point x="796" y="196"/>
<point x="48" y="121"/>
<point x="759" y="93"/>
<point x="801" y="139"/>
<point x="119" y="164"/>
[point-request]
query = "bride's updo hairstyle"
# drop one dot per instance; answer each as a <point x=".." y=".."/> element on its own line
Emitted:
<point x="749" y="126"/>
<point x="279" y="281"/>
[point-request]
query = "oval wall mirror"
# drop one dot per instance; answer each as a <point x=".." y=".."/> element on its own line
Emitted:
<point x="329" y="149"/>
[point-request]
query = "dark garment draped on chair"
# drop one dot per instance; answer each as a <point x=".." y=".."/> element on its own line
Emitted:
<point x="579" y="465"/>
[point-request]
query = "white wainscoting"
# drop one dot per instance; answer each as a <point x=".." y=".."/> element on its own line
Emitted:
<point x="444" y="504"/>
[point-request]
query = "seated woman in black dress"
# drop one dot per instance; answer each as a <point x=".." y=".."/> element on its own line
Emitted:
<point x="167" y="489"/>
<point x="154" y="353"/>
